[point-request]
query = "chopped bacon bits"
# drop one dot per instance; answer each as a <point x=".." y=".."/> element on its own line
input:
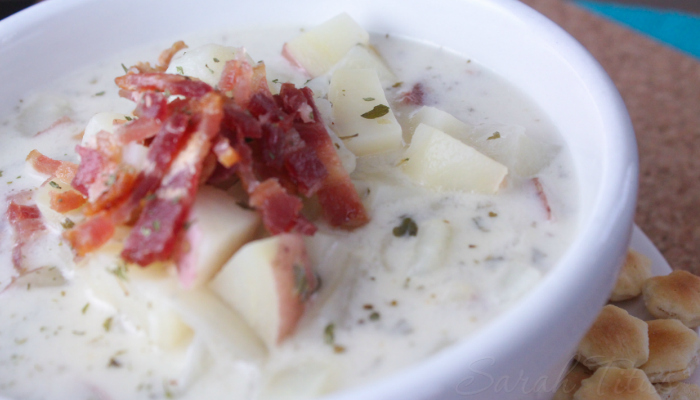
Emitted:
<point x="63" y="170"/>
<point x="90" y="235"/>
<point x="543" y="197"/>
<point x="26" y="222"/>
<point x="277" y="146"/>
<point x="65" y="201"/>
<point x="159" y="81"/>
<point x="415" y="96"/>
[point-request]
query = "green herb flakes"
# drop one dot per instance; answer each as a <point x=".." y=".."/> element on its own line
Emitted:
<point x="210" y="70"/>
<point x="329" y="334"/>
<point x="55" y="185"/>
<point x="120" y="271"/>
<point x="374" y="316"/>
<point x="107" y="324"/>
<point x="216" y="59"/>
<point x="397" y="85"/>
<point x="67" y="224"/>
<point x="128" y="118"/>
<point x="275" y="80"/>
<point x="379" y="110"/>
<point x="125" y="68"/>
<point x="368" y="98"/>
<point x="156" y="225"/>
<point x="496" y="135"/>
<point x="349" y="137"/>
<point x="492" y="214"/>
<point x="180" y="70"/>
<point x="85" y="307"/>
<point x="408" y="227"/>
<point x="102" y="93"/>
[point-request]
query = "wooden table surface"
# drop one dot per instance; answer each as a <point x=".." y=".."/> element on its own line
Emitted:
<point x="661" y="88"/>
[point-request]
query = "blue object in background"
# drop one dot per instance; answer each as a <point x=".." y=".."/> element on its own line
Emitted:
<point x="675" y="28"/>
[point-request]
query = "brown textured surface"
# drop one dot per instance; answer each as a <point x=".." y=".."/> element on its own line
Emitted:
<point x="661" y="88"/>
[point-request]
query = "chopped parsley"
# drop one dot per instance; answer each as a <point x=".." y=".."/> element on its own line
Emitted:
<point x="85" y="307"/>
<point x="125" y="68"/>
<point x="397" y="85"/>
<point x="180" y="70"/>
<point x="496" y="135"/>
<point x="120" y="271"/>
<point x="408" y="227"/>
<point x="374" y="316"/>
<point x="102" y="93"/>
<point x="53" y="184"/>
<point x="368" y="98"/>
<point x="67" y="224"/>
<point x="379" y="110"/>
<point x="329" y="334"/>
<point x="107" y="324"/>
<point x="216" y="59"/>
<point x="128" y="118"/>
<point x="492" y="214"/>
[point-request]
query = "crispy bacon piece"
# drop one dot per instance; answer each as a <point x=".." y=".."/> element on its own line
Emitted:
<point x="66" y="201"/>
<point x="117" y="190"/>
<point x="63" y="170"/>
<point x="543" y="197"/>
<point x="92" y="165"/>
<point x="281" y="212"/>
<point x="340" y="202"/>
<point x="161" y="82"/>
<point x="241" y="81"/>
<point x="156" y="231"/>
<point x="26" y="222"/>
<point x="414" y="96"/>
<point x="90" y="235"/>
<point x="163" y="59"/>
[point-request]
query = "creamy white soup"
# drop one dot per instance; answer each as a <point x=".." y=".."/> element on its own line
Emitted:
<point x="469" y="193"/>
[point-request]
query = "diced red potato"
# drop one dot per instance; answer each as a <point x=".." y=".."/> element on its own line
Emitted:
<point x="321" y="47"/>
<point x="217" y="227"/>
<point x="362" y="117"/>
<point x="437" y="160"/>
<point x="268" y="282"/>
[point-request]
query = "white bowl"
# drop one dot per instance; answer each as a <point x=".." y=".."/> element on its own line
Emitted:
<point x="521" y="353"/>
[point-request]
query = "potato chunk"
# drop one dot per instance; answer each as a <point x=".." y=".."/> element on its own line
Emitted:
<point x="439" y="161"/>
<point x="218" y="227"/>
<point x="205" y="63"/>
<point x="361" y="114"/>
<point x="321" y="47"/>
<point x="268" y="282"/>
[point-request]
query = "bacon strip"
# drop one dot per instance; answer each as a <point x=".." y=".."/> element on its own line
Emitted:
<point x="63" y="170"/>
<point x="66" y="201"/>
<point x="155" y="233"/>
<point x="340" y="202"/>
<point x="281" y="212"/>
<point x="90" y="235"/>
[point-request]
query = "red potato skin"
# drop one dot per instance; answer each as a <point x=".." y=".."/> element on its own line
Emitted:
<point x="295" y="281"/>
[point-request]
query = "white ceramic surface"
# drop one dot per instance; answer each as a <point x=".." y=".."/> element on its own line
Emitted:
<point x="522" y="352"/>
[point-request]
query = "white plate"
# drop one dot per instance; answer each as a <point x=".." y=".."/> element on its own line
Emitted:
<point x="659" y="266"/>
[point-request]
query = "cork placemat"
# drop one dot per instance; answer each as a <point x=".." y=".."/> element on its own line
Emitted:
<point x="661" y="88"/>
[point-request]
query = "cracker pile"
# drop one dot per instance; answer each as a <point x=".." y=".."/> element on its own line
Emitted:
<point x="622" y="357"/>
